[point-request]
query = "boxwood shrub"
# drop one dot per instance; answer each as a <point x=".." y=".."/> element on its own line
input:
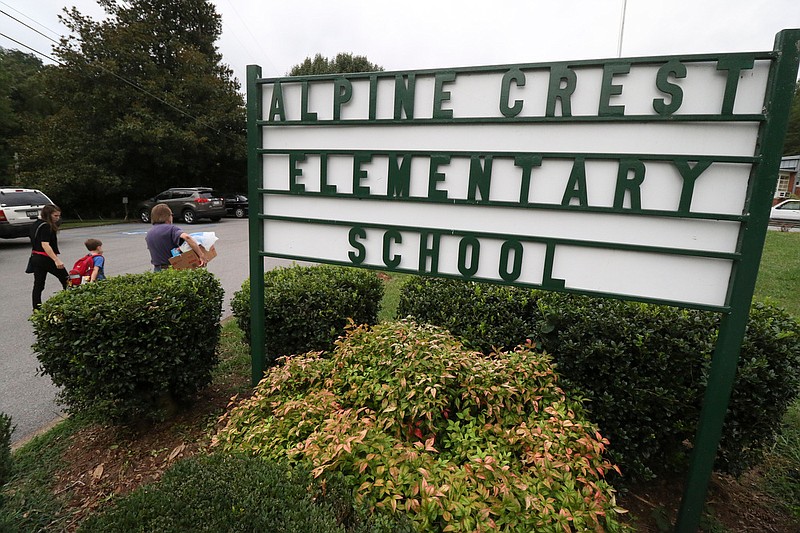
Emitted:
<point x="131" y="346"/>
<point x="238" y="493"/>
<point x="485" y="316"/>
<point x="642" y="367"/>
<point x="420" y="425"/>
<point x="307" y="308"/>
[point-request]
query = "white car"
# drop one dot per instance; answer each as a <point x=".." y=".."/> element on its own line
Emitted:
<point x="19" y="209"/>
<point x="786" y="210"/>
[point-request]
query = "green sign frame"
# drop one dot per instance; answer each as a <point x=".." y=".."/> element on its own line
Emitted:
<point x="278" y="107"/>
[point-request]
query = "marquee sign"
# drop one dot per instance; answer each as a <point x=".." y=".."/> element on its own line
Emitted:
<point x="621" y="177"/>
<point x="647" y="179"/>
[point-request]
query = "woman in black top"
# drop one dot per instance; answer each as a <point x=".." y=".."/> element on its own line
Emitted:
<point x="44" y="257"/>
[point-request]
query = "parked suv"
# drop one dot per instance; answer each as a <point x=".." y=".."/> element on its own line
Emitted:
<point x="19" y="209"/>
<point x="188" y="203"/>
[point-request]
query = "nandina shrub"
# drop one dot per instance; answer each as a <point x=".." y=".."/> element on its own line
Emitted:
<point x="131" y="346"/>
<point x="418" y="424"/>
<point x="307" y="308"/>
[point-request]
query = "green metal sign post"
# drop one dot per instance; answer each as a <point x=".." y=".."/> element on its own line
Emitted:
<point x="644" y="179"/>
<point x="254" y="179"/>
<point x="732" y="328"/>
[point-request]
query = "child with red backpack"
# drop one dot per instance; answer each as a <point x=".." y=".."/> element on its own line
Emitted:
<point x="90" y="267"/>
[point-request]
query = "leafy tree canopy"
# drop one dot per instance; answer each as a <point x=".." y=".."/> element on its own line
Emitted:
<point x="144" y="103"/>
<point x="342" y="63"/>
<point x="791" y="145"/>
<point x="22" y="103"/>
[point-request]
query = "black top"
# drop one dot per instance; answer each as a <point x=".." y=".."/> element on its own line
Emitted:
<point x="43" y="233"/>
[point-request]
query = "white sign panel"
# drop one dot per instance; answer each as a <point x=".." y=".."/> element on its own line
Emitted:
<point x="625" y="177"/>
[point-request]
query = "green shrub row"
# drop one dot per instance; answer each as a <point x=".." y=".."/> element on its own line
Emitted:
<point x="485" y="316"/>
<point x="419" y="425"/>
<point x="219" y="493"/>
<point x="307" y="308"/>
<point x="642" y="367"/>
<point x="130" y="347"/>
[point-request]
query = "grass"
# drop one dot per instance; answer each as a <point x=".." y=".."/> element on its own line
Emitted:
<point x="27" y="502"/>
<point x="234" y="354"/>
<point x="779" y="273"/>
<point x="781" y="464"/>
<point x="391" y="297"/>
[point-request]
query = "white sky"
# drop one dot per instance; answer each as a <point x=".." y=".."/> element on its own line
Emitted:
<point x="416" y="34"/>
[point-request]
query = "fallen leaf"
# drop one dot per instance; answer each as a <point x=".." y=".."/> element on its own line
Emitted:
<point x="97" y="473"/>
<point x="176" y="451"/>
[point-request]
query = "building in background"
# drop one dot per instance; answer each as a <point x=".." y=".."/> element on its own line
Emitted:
<point x="788" y="182"/>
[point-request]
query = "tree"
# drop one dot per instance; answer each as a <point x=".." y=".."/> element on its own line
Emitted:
<point x="22" y="104"/>
<point x="342" y="63"/>
<point x="791" y="146"/>
<point x="144" y="103"/>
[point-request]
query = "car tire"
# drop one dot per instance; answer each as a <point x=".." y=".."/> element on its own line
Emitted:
<point x="189" y="216"/>
<point x="144" y="216"/>
<point x="216" y="219"/>
<point x="239" y="212"/>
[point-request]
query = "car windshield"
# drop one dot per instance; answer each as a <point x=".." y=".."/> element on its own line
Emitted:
<point x="15" y="198"/>
<point x="210" y="194"/>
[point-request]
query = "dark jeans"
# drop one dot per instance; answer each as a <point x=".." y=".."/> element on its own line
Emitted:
<point x="42" y="265"/>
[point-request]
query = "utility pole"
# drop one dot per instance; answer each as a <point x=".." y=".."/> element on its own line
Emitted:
<point x="621" y="28"/>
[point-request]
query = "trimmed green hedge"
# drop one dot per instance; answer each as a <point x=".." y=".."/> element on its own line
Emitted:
<point x="307" y="308"/>
<point x="234" y="494"/>
<point x="642" y="367"/>
<point x="130" y="346"/>
<point x="484" y="315"/>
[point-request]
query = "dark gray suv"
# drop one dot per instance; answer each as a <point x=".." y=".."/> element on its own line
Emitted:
<point x="188" y="203"/>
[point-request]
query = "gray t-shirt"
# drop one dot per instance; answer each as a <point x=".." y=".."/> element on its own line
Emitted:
<point x="161" y="239"/>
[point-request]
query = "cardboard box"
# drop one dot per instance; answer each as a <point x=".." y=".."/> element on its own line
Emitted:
<point x="190" y="260"/>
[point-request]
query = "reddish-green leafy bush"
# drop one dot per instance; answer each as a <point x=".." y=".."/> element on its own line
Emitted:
<point x="420" y="425"/>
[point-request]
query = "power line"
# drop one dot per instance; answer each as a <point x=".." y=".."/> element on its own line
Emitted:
<point x="31" y="49"/>
<point x="28" y="26"/>
<point x="247" y="28"/>
<point x="622" y="27"/>
<point x="29" y="18"/>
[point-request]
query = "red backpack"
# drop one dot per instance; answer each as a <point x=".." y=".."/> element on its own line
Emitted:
<point x="82" y="267"/>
